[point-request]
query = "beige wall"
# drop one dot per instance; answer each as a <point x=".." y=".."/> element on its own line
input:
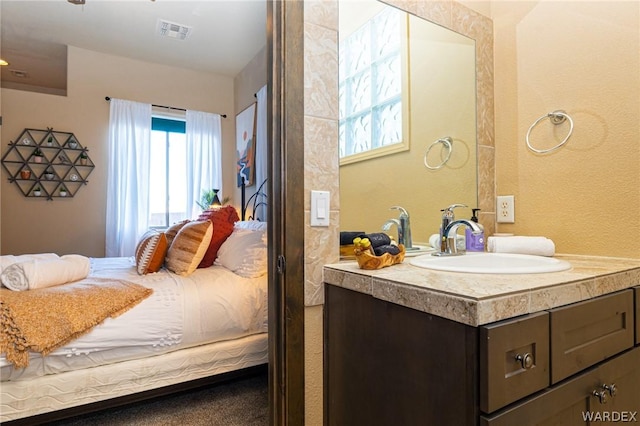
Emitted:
<point x="584" y="58"/>
<point x="77" y="225"/>
<point x="246" y="84"/>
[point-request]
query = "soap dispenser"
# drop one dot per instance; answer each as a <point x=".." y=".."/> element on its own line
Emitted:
<point x="474" y="242"/>
<point x="448" y="216"/>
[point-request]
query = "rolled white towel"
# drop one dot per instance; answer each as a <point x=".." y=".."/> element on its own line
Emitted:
<point x="540" y="246"/>
<point x="9" y="259"/>
<point x="41" y="273"/>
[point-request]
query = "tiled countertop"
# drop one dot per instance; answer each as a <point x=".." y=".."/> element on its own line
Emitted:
<point x="477" y="299"/>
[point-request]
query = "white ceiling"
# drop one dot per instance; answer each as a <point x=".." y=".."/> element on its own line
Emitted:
<point x="226" y="34"/>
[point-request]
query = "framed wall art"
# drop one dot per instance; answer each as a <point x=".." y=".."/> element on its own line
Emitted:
<point x="246" y="145"/>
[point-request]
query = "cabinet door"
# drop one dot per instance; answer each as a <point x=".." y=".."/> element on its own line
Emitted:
<point x="573" y="402"/>
<point x="390" y="365"/>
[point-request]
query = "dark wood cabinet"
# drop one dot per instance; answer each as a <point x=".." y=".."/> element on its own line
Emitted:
<point x="637" y="303"/>
<point x="389" y="364"/>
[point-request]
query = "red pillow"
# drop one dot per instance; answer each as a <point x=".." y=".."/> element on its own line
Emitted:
<point x="223" y="219"/>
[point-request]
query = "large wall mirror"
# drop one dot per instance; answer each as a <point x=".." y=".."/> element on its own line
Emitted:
<point x="440" y="166"/>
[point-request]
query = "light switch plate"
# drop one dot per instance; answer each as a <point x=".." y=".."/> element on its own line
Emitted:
<point x="320" y="208"/>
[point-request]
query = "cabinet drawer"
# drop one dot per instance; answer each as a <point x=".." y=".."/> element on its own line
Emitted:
<point x="588" y="332"/>
<point x="568" y="403"/>
<point x="514" y="360"/>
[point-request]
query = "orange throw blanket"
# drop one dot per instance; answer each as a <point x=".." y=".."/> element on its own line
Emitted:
<point x="42" y="320"/>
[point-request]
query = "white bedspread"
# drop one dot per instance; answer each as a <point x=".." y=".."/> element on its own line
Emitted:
<point x="212" y="304"/>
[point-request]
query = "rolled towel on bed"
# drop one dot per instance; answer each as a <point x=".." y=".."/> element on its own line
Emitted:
<point x="9" y="259"/>
<point x="41" y="273"/>
<point x="540" y="246"/>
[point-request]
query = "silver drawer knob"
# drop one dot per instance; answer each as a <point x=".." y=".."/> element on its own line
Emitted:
<point x="612" y="389"/>
<point x="601" y="395"/>
<point x="526" y="360"/>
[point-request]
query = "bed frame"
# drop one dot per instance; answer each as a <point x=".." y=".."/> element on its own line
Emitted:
<point x="205" y="368"/>
<point x="258" y="199"/>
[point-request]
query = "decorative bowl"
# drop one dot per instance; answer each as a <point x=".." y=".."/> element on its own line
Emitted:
<point x="366" y="260"/>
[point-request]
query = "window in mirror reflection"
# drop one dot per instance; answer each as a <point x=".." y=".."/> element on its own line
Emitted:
<point x="372" y="67"/>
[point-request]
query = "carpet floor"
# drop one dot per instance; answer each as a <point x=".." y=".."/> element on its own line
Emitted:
<point x="237" y="403"/>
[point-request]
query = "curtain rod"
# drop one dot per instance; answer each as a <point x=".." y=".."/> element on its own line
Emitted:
<point x="107" y="98"/>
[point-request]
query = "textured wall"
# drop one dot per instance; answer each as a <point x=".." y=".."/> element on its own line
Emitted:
<point x="321" y="173"/>
<point x="584" y="58"/>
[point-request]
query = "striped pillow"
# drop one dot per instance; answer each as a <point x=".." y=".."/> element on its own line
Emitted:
<point x="189" y="247"/>
<point x="150" y="252"/>
<point x="172" y="231"/>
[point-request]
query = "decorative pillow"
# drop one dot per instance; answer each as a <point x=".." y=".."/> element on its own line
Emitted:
<point x="223" y="219"/>
<point x="189" y="246"/>
<point x="150" y="252"/>
<point x="245" y="253"/>
<point x="172" y="231"/>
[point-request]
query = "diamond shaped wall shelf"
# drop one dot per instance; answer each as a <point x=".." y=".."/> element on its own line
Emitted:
<point x="47" y="163"/>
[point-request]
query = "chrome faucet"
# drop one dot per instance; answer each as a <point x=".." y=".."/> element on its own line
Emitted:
<point x="448" y="216"/>
<point x="449" y="246"/>
<point x="404" y="227"/>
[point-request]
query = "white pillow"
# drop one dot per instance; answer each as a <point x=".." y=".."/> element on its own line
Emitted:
<point x="245" y="253"/>
<point x="255" y="225"/>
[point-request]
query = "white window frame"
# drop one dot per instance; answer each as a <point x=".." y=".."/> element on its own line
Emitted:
<point x="404" y="143"/>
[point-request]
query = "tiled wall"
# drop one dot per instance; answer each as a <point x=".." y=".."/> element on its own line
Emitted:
<point x="321" y="138"/>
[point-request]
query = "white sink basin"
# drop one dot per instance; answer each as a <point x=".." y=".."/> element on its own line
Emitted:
<point x="491" y="263"/>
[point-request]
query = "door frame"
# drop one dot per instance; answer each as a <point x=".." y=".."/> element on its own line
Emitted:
<point x="285" y="35"/>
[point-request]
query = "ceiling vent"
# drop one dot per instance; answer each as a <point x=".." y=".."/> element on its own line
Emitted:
<point x="173" y="30"/>
<point x="19" y="74"/>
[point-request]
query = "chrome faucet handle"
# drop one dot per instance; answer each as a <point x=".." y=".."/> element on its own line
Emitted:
<point x="403" y="211"/>
<point x="449" y="247"/>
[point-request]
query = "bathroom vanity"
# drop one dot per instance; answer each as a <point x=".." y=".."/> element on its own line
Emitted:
<point x="412" y="346"/>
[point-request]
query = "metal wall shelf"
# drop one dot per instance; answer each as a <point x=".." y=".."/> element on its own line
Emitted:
<point x="47" y="164"/>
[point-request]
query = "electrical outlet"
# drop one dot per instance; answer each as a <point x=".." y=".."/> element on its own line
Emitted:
<point x="505" y="210"/>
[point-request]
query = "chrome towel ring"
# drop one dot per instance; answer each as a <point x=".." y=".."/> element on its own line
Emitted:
<point x="556" y="117"/>
<point x="446" y="142"/>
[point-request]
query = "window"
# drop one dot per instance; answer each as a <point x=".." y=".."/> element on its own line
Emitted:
<point x="168" y="172"/>
<point x="372" y="83"/>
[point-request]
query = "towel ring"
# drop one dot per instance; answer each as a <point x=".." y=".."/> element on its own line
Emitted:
<point x="556" y="117"/>
<point x="446" y="141"/>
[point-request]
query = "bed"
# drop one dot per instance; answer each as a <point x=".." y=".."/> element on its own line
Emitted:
<point x="202" y="327"/>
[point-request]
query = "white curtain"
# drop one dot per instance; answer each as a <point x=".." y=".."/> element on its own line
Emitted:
<point x="204" y="157"/>
<point x="127" y="176"/>
<point x="262" y="164"/>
